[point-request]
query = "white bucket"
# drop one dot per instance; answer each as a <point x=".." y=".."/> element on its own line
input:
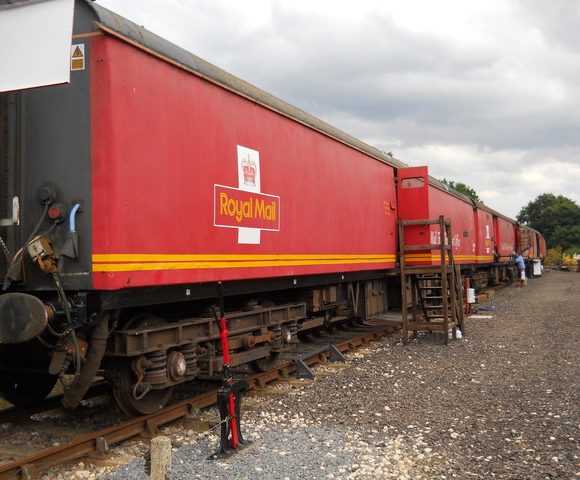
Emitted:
<point x="458" y="334"/>
<point x="471" y="295"/>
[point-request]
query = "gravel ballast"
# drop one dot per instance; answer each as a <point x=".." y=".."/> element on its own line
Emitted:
<point x="500" y="403"/>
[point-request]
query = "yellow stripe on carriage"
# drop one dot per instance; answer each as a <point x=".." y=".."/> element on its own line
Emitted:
<point x="149" y="262"/>
<point x="154" y="257"/>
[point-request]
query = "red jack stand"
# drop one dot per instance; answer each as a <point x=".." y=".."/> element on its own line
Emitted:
<point x="468" y="310"/>
<point x="229" y="396"/>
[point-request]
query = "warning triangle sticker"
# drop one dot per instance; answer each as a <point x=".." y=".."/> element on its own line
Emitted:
<point x="77" y="53"/>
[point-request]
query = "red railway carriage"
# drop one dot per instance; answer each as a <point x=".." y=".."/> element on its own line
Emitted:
<point x="527" y="242"/>
<point x="505" y="238"/>
<point x="532" y="246"/>
<point x="229" y="200"/>
<point x="157" y="179"/>
<point x="484" y="226"/>
<point x="423" y="198"/>
<point x="537" y="243"/>
<point x="459" y="210"/>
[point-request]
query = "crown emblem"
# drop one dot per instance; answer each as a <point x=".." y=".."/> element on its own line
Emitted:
<point x="249" y="169"/>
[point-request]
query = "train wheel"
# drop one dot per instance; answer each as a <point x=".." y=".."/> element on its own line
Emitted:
<point x="123" y="378"/>
<point x="24" y="377"/>
<point x="26" y="389"/>
<point x="123" y="383"/>
<point x="266" y="363"/>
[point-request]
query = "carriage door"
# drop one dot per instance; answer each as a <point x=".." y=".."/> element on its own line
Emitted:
<point x="413" y="202"/>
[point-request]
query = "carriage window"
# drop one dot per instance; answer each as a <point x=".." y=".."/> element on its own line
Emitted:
<point x="416" y="182"/>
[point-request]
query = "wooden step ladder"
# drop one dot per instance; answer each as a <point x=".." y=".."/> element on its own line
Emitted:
<point x="436" y="289"/>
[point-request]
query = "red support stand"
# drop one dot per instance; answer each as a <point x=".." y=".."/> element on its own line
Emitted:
<point x="466" y="287"/>
<point x="230" y="394"/>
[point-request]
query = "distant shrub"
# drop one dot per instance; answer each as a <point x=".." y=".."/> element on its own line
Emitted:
<point x="554" y="256"/>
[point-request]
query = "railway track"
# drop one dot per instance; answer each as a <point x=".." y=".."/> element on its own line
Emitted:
<point x="100" y="441"/>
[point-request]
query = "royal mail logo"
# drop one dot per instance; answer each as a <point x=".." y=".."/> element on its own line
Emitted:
<point x="246" y="207"/>
<point x="238" y="208"/>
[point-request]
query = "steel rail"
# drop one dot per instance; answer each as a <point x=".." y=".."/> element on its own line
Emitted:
<point x="27" y="467"/>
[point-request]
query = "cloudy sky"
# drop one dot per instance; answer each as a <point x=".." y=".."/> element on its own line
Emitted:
<point x="487" y="93"/>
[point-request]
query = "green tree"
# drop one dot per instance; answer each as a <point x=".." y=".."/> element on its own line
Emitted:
<point x="462" y="188"/>
<point x="556" y="217"/>
<point x="568" y="238"/>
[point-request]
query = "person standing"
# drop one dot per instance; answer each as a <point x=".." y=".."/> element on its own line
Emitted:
<point x="521" y="266"/>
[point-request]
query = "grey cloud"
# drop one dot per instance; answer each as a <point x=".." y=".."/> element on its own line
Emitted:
<point x="558" y="20"/>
